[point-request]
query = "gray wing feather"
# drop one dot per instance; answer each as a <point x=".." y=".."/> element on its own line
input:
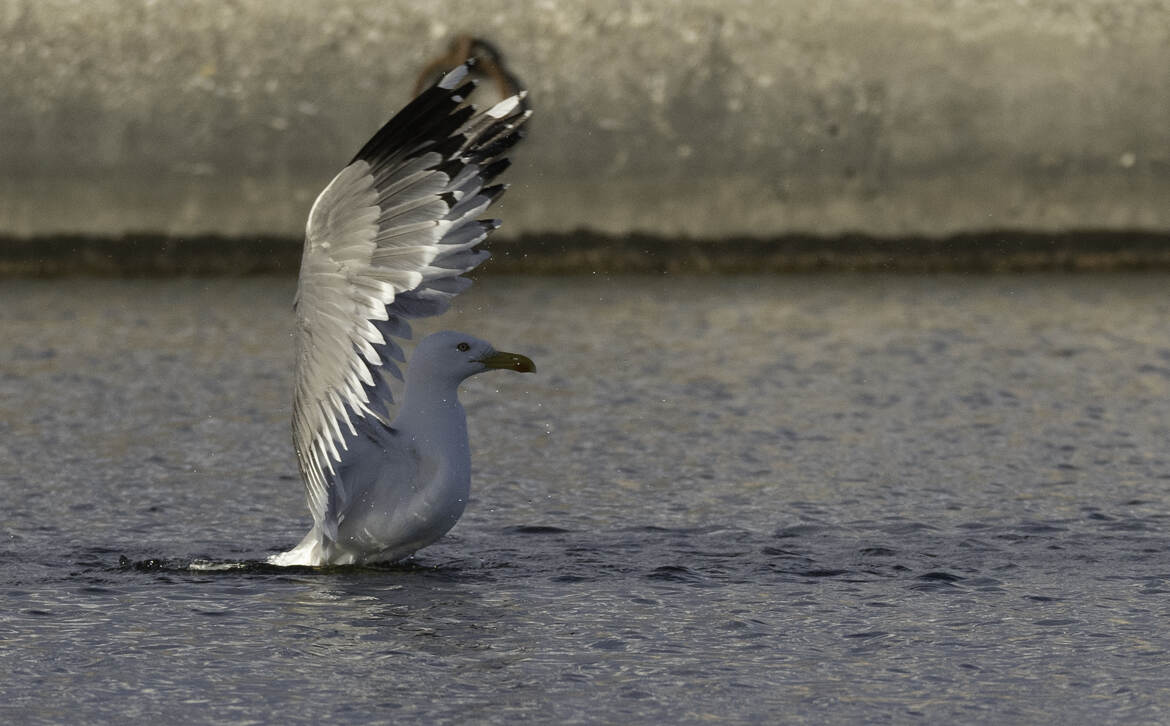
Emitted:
<point x="374" y="455"/>
<point x="387" y="240"/>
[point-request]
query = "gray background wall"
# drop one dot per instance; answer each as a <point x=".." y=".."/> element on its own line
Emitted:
<point x="703" y="118"/>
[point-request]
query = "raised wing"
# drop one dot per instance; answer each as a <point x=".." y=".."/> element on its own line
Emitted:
<point x="388" y="239"/>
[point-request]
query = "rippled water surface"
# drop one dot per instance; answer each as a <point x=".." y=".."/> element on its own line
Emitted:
<point x="775" y="499"/>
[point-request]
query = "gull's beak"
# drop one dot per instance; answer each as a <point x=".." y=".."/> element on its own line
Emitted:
<point x="510" y="362"/>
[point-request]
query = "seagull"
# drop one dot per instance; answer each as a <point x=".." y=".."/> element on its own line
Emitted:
<point x="387" y="240"/>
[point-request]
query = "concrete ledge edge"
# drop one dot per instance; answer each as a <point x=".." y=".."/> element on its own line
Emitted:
<point x="587" y="252"/>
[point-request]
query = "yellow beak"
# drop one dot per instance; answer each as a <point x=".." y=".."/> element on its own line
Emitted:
<point x="509" y="361"/>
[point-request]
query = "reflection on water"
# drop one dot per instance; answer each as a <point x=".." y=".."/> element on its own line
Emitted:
<point x="809" y="499"/>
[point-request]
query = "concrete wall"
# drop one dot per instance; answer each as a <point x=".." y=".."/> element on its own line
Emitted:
<point x="697" y="117"/>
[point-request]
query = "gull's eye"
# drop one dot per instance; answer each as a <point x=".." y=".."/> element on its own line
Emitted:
<point x="463" y="347"/>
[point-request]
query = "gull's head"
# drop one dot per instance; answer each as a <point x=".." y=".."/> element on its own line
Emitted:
<point x="460" y="355"/>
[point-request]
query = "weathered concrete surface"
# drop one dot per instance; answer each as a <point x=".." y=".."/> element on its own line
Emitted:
<point x="706" y="118"/>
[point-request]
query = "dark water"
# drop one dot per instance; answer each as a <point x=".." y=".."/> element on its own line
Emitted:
<point x="779" y="500"/>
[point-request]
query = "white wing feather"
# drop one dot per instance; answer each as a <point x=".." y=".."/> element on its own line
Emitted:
<point x="388" y="239"/>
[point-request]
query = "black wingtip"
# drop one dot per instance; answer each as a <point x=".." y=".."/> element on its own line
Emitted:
<point x="500" y="145"/>
<point x="493" y="192"/>
<point x="432" y="116"/>
<point x="494" y="169"/>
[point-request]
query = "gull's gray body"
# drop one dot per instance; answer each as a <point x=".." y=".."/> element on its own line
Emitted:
<point x="387" y="240"/>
